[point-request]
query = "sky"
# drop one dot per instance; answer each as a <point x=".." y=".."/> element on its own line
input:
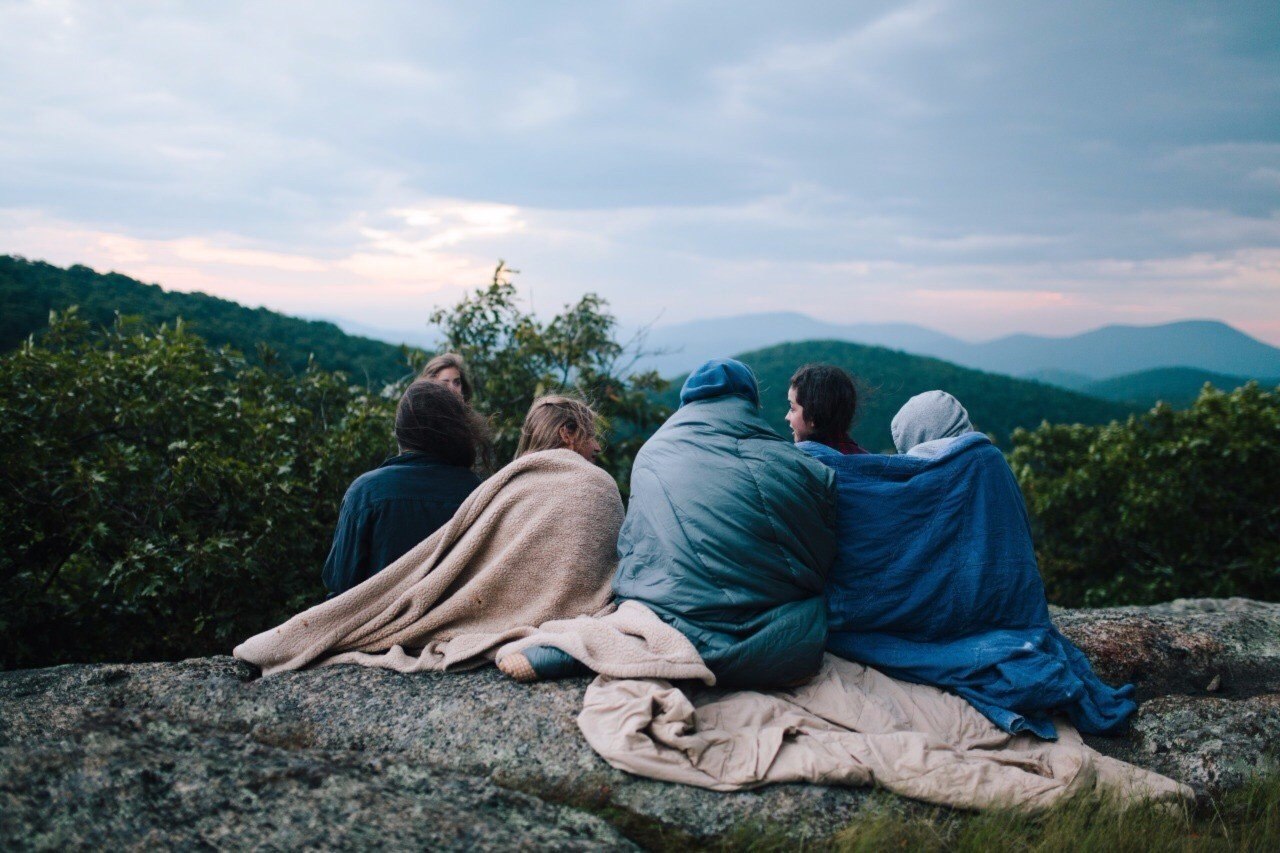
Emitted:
<point x="979" y="168"/>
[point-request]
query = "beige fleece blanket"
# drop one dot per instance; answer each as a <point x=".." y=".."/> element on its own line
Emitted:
<point x="629" y="641"/>
<point x="535" y="542"/>
<point x="851" y="725"/>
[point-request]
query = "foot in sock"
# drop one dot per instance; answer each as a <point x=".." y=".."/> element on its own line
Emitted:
<point x="542" y="663"/>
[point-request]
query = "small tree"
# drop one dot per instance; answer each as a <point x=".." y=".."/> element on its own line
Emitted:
<point x="1170" y="503"/>
<point x="514" y="358"/>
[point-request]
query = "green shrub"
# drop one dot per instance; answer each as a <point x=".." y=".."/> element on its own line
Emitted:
<point x="1167" y="504"/>
<point x="159" y="498"/>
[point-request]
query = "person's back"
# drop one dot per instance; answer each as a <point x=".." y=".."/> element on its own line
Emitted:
<point x="729" y="534"/>
<point x="392" y="508"/>
<point x="388" y="510"/>
<point x="936" y="580"/>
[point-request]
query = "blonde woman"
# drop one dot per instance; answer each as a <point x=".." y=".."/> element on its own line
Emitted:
<point x="449" y="369"/>
<point x="535" y="542"/>
<point x="558" y="421"/>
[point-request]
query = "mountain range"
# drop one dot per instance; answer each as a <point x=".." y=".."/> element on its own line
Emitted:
<point x="1071" y="362"/>
<point x="1122" y="368"/>
<point x="1177" y="386"/>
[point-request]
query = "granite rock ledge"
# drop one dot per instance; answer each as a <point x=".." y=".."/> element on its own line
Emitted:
<point x="204" y="753"/>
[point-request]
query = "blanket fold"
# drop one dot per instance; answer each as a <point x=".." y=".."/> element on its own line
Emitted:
<point x="628" y="642"/>
<point x="536" y="542"/>
<point x="851" y="725"/>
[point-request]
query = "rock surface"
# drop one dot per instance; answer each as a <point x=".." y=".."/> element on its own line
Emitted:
<point x="203" y="753"/>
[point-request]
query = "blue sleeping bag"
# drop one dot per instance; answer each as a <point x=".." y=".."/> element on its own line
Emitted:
<point x="936" y="582"/>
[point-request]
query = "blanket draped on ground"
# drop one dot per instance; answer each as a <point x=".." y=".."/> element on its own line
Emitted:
<point x="936" y="582"/>
<point x="851" y="725"/>
<point x="535" y="542"/>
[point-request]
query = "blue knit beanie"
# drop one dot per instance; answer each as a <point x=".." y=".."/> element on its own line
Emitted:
<point x="720" y="377"/>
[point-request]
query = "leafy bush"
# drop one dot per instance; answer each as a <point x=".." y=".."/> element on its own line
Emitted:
<point x="159" y="498"/>
<point x="514" y="358"/>
<point x="1169" y="503"/>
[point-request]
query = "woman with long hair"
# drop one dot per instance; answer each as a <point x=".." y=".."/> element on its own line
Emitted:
<point x="558" y="421"/>
<point x="450" y="370"/>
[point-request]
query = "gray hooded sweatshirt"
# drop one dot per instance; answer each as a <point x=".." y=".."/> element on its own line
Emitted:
<point x="928" y="422"/>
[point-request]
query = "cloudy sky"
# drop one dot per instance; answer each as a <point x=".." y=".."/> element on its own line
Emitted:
<point x="980" y="168"/>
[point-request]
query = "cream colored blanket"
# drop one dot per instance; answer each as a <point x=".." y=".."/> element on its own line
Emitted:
<point x="851" y="725"/>
<point x="535" y="542"/>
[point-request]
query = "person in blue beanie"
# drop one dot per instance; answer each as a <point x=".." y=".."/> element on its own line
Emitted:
<point x="728" y="537"/>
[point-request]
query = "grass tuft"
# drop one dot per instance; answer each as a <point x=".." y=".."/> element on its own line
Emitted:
<point x="1247" y="819"/>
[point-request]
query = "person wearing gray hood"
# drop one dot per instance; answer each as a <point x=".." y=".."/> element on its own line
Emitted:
<point x="929" y="423"/>
<point x="936" y="579"/>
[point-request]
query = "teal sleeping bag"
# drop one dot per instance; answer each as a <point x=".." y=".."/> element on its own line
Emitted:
<point x="730" y="534"/>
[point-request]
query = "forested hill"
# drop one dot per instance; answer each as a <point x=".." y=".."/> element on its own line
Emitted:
<point x="30" y="289"/>
<point x="1177" y="386"/>
<point x="888" y="378"/>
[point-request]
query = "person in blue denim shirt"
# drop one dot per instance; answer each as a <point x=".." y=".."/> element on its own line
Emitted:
<point x="392" y="508"/>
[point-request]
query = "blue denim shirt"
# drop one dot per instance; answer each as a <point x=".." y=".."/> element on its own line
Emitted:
<point x="389" y="510"/>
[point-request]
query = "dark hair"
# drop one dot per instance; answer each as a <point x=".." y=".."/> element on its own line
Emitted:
<point x="432" y="419"/>
<point x="444" y="361"/>
<point x="828" y="396"/>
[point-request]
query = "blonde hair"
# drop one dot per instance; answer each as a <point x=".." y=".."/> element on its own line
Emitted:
<point x="547" y="416"/>
<point x="444" y="361"/>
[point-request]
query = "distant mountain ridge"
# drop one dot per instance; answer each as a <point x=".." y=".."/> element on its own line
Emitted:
<point x="29" y="290"/>
<point x="1177" y="386"/>
<point x="681" y="347"/>
<point x="1103" y="353"/>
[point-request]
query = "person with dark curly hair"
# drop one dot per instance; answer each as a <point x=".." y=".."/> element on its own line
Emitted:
<point x="408" y="497"/>
<point x="822" y="401"/>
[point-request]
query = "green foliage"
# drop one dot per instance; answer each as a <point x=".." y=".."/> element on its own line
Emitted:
<point x="1169" y="503"/>
<point x="514" y="358"/>
<point x="159" y="498"/>
<point x="997" y="404"/>
<point x="29" y="290"/>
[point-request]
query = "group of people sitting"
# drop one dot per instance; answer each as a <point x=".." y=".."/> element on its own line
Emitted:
<point x="765" y="553"/>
